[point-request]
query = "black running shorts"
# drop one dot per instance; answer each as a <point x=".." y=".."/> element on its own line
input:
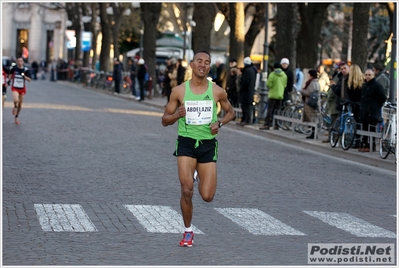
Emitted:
<point x="204" y="151"/>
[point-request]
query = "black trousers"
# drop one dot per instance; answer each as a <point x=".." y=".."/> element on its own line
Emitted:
<point x="365" y="125"/>
<point x="246" y="112"/>
<point x="117" y="85"/>
<point x="272" y="106"/>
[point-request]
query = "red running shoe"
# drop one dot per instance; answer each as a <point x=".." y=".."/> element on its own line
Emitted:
<point x="188" y="239"/>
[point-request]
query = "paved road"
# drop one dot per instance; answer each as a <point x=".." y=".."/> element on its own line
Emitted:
<point x="89" y="179"/>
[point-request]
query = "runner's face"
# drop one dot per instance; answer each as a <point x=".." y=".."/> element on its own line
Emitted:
<point x="201" y="65"/>
<point x="20" y="62"/>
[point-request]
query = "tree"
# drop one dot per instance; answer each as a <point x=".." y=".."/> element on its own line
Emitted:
<point x="74" y="15"/>
<point x="106" y="38"/>
<point x="285" y="34"/>
<point x="257" y="23"/>
<point x="359" y="34"/>
<point x="150" y="15"/>
<point x="204" y="15"/>
<point x="118" y="10"/>
<point x="312" y="17"/>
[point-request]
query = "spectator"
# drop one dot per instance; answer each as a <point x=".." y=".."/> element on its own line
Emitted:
<point x="247" y="88"/>
<point x="35" y="69"/>
<point x="117" y="76"/>
<point x="141" y="74"/>
<point x="340" y="88"/>
<point x="43" y="68"/>
<point x="173" y="74"/>
<point x="189" y="72"/>
<point x="373" y="97"/>
<point x="355" y="83"/>
<point x="180" y="71"/>
<point x="221" y="74"/>
<point x="277" y="83"/>
<point x="234" y="86"/>
<point x="132" y="64"/>
<point x="167" y="81"/>
<point x="298" y="78"/>
<point x="310" y="114"/>
<point x="284" y="63"/>
<point x="382" y="77"/>
<point x="324" y="80"/>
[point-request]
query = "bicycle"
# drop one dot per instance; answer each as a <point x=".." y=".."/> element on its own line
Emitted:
<point x="388" y="138"/>
<point x="344" y="127"/>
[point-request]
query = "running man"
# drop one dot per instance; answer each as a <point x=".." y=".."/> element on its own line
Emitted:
<point x="193" y="105"/>
<point x="18" y="75"/>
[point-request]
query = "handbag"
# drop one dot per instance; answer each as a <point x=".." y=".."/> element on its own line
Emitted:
<point x="313" y="99"/>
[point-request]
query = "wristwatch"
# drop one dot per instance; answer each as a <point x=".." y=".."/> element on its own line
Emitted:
<point x="220" y="124"/>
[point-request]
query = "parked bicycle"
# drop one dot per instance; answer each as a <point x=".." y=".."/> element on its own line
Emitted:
<point x="388" y="138"/>
<point x="344" y="127"/>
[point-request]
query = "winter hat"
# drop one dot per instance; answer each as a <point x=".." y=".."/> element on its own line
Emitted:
<point x="247" y="61"/>
<point x="276" y="65"/>
<point x="141" y="61"/>
<point x="285" y="60"/>
<point x="341" y="63"/>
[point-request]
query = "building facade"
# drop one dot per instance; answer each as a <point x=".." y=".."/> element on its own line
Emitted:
<point x="33" y="30"/>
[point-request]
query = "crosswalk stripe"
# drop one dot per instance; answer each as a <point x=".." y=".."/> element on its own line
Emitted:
<point x="63" y="218"/>
<point x="159" y="219"/>
<point x="351" y="224"/>
<point x="257" y="222"/>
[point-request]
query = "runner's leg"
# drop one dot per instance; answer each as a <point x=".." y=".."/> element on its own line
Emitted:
<point x="186" y="166"/>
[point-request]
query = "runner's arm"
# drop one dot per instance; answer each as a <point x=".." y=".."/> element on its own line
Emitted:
<point x="173" y="110"/>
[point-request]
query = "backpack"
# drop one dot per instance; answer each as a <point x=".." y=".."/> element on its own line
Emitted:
<point x="313" y="99"/>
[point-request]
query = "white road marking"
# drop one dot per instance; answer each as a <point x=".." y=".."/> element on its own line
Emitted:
<point x="63" y="218"/>
<point x="159" y="219"/>
<point x="257" y="222"/>
<point x="351" y="224"/>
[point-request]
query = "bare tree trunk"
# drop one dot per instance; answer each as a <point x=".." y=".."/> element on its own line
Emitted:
<point x="359" y="34"/>
<point x="237" y="31"/>
<point x="74" y="15"/>
<point x="106" y="38"/>
<point x="257" y="24"/>
<point x="95" y="33"/>
<point x="118" y="11"/>
<point x="151" y="15"/>
<point x="285" y="37"/>
<point x="312" y="19"/>
<point x="204" y="15"/>
<point x="345" y="32"/>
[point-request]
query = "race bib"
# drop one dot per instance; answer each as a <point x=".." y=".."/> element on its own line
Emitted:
<point x="18" y="82"/>
<point x="199" y="112"/>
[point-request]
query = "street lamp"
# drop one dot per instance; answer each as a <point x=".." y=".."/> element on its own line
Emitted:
<point x="263" y="93"/>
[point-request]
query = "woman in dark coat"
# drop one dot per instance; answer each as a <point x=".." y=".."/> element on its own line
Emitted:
<point x="373" y="97"/>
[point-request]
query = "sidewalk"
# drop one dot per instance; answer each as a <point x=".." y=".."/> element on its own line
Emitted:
<point x="288" y="137"/>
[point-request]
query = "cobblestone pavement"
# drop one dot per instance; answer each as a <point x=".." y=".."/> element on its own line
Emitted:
<point x="89" y="179"/>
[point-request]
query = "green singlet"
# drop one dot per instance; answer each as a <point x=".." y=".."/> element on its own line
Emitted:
<point x="200" y="113"/>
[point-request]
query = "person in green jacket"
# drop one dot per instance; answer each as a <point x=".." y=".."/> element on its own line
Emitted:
<point x="276" y="83"/>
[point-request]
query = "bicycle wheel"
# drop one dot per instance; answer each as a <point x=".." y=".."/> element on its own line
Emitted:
<point x="348" y="135"/>
<point x="385" y="147"/>
<point x="281" y="124"/>
<point x="286" y="125"/>
<point x="334" y="133"/>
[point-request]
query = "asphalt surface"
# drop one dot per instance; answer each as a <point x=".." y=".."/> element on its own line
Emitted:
<point x="89" y="179"/>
